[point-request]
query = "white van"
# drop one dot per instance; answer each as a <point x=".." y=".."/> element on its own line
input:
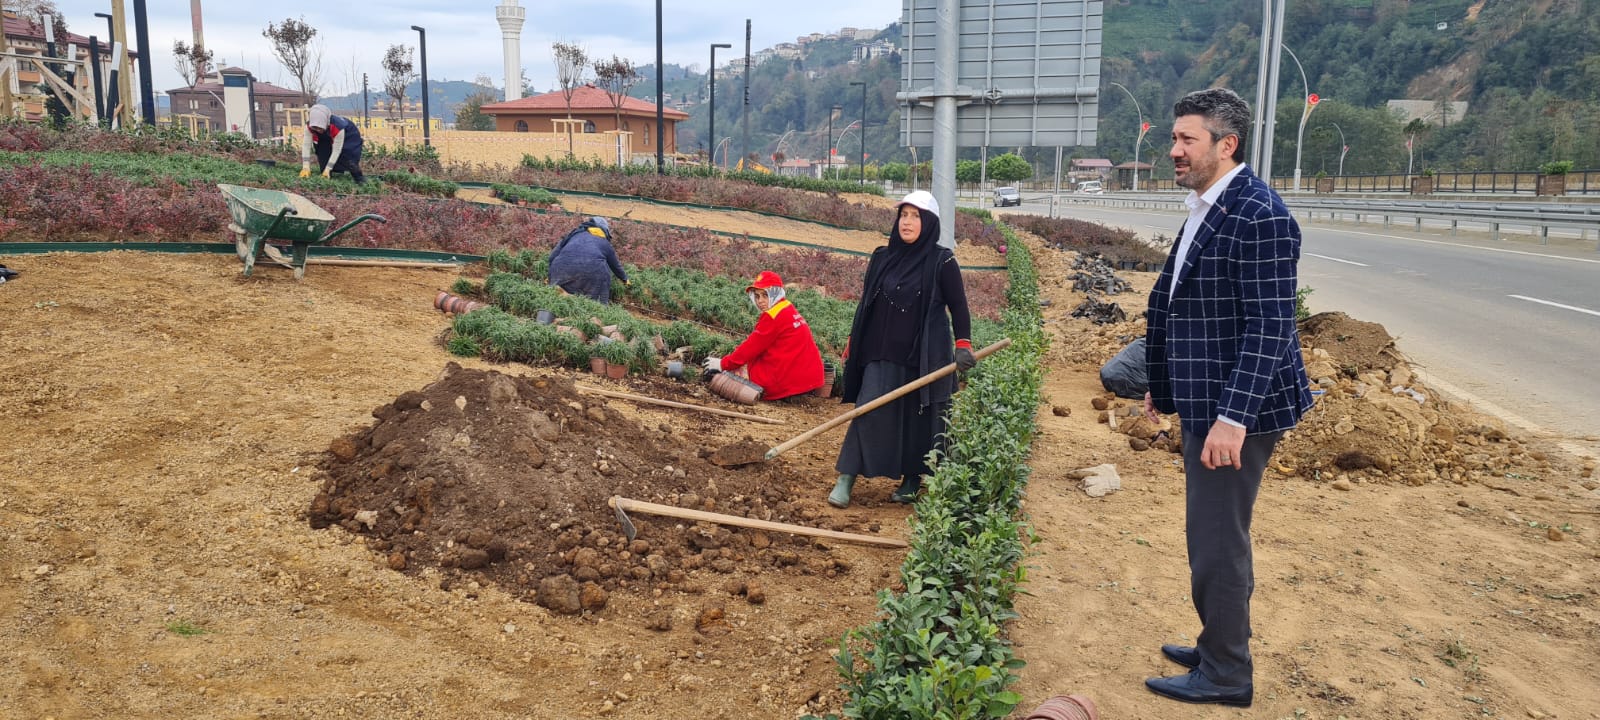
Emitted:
<point x="1091" y="187"/>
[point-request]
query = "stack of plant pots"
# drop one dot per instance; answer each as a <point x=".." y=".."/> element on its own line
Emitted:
<point x="735" y="388"/>
<point x="829" y="376"/>
<point x="445" y="302"/>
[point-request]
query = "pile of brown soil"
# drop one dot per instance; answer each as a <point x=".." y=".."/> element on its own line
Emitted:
<point x="499" y="478"/>
<point x="1376" y="421"/>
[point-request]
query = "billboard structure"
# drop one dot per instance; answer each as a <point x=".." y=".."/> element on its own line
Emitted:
<point x="1029" y="71"/>
<point x="976" y="73"/>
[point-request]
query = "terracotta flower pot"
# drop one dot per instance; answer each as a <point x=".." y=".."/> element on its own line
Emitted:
<point x="616" y="371"/>
<point x="735" y="388"/>
<point x="1065" y="707"/>
<point x="448" y="303"/>
<point x="597" y="365"/>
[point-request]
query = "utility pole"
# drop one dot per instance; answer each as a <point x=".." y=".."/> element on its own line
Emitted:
<point x="712" y="114"/>
<point x="744" y="114"/>
<point x="422" y="36"/>
<point x="365" y="121"/>
<point x="7" y="107"/>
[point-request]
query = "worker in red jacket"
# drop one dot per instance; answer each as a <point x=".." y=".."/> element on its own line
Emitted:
<point x="780" y="355"/>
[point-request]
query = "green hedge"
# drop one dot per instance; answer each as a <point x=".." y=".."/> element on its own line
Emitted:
<point x="190" y="170"/>
<point x="938" y="649"/>
<point x="756" y="178"/>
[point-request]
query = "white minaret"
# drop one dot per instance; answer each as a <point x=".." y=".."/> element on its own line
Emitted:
<point x="511" y="15"/>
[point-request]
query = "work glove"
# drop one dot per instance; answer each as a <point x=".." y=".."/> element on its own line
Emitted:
<point x="327" y="172"/>
<point x="965" y="359"/>
<point x="713" y="364"/>
<point x="305" y="170"/>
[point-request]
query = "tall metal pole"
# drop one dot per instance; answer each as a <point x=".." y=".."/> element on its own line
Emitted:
<point x="147" y="93"/>
<point x="863" y="133"/>
<point x="1305" y="112"/>
<point x="744" y="114"/>
<point x="1344" y="147"/>
<point x="1270" y="112"/>
<point x="661" y="102"/>
<point x="712" y="131"/>
<point x="366" y="122"/>
<point x="423" y="48"/>
<point x="1139" y="136"/>
<point x="947" y="63"/>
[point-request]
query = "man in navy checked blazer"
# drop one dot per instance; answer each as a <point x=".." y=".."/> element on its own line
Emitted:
<point x="1224" y="354"/>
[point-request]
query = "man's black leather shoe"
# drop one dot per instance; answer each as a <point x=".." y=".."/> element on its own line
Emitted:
<point x="1182" y="655"/>
<point x="1195" y="688"/>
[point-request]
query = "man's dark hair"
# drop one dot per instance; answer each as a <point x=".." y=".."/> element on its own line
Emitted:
<point x="1224" y="111"/>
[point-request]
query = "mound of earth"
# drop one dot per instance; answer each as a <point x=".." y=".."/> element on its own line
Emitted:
<point x="491" y="477"/>
<point x="1374" y="419"/>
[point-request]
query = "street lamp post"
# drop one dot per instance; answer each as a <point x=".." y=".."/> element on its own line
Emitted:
<point x="1344" y="147"/>
<point x="1310" y="103"/>
<point x="832" y="112"/>
<point x="863" y="131"/>
<point x="423" y="49"/>
<point x="712" y="131"/>
<point x="840" y="141"/>
<point x="1142" y="129"/>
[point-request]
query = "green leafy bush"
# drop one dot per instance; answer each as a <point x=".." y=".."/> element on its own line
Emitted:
<point x="421" y="184"/>
<point x="1556" y="167"/>
<point x="529" y="195"/>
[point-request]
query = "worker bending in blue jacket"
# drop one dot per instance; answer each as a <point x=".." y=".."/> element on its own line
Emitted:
<point x="337" y="142"/>
<point x="583" y="263"/>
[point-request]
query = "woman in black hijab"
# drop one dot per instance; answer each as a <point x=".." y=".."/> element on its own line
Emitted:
<point x="912" y="297"/>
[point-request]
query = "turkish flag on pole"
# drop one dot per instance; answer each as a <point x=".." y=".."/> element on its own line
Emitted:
<point x="1408" y="143"/>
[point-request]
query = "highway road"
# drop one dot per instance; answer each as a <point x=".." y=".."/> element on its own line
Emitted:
<point x="1512" y="326"/>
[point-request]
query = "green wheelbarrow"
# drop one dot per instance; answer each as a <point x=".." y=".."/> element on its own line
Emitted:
<point x="260" y="215"/>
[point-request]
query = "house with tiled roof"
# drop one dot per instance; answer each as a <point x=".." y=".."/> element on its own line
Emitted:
<point x="592" y="108"/>
<point x="274" y="107"/>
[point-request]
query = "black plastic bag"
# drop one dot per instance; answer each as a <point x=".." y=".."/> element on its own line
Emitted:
<point x="1125" y="374"/>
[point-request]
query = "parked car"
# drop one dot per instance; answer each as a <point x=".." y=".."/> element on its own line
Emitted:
<point x="1091" y="187"/>
<point x="1007" y="196"/>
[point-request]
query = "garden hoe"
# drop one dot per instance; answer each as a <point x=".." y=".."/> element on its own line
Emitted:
<point x="621" y="505"/>
<point x="745" y="453"/>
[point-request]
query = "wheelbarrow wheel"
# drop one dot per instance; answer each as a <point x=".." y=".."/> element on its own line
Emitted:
<point x="240" y="245"/>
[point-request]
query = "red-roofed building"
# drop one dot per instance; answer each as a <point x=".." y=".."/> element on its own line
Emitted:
<point x="592" y="106"/>
<point x="271" y="104"/>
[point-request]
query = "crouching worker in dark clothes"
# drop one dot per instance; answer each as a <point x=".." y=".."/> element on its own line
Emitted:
<point x="780" y="355"/>
<point x="583" y="263"/>
<point x="337" y="142"/>
<point x="902" y="330"/>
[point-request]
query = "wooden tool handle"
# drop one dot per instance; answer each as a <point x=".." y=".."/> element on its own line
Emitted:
<point x="881" y="400"/>
<point x="671" y="404"/>
<point x="650" y="508"/>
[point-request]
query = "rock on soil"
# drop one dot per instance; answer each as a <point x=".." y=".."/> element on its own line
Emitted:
<point x="505" y="479"/>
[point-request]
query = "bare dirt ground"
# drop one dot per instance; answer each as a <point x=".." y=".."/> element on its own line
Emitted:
<point x="171" y="425"/>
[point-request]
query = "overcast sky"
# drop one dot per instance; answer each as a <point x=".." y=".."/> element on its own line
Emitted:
<point x="464" y="39"/>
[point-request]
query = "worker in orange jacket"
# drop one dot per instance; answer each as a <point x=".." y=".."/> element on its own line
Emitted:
<point x="780" y="355"/>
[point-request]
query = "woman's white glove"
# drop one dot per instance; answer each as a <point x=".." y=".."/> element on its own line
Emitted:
<point x="713" y="364"/>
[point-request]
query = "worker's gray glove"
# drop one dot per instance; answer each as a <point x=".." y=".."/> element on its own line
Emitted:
<point x="965" y="359"/>
<point x="713" y="364"/>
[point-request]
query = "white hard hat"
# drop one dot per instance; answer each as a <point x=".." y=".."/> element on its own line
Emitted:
<point x="921" y="199"/>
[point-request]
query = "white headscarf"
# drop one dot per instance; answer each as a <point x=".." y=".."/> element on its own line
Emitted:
<point x="319" y="116"/>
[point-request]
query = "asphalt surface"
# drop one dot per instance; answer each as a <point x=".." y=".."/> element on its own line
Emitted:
<point x="1511" y="326"/>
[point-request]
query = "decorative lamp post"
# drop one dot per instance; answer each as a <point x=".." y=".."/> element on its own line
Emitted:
<point x="863" y="131"/>
<point x="1144" y="127"/>
<point x="1311" y="101"/>
<point x="712" y="131"/>
<point x="1344" y="147"/>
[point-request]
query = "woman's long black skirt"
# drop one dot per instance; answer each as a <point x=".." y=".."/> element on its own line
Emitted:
<point x="892" y="441"/>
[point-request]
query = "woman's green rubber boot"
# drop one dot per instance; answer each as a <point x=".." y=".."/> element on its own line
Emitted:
<point x="840" y="497"/>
